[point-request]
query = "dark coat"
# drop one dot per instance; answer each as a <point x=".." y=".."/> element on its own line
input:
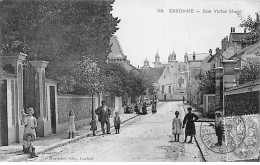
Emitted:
<point x="103" y="114"/>
<point x="190" y="126"/>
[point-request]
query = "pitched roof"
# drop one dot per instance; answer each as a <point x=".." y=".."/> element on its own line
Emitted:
<point x="116" y="49"/>
<point x="248" y="50"/>
<point x="213" y="56"/>
<point x="236" y="37"/>
<point x="153" y="73"/>
<point x="198" y="56"/>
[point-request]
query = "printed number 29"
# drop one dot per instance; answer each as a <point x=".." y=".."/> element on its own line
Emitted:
<point x="159" y="10"/>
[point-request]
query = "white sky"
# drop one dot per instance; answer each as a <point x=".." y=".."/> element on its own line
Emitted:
<point x="142" y="29"/>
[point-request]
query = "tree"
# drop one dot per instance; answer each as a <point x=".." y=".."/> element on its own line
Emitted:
<point x="61" y="32"/>
<point x="249" y="72"/>
<point x="207" y="82"/>
<point x="87" y="77"/>
<point x="119" y="81"/>
<point x="116" y="79"/>
<point x="253" y="27"/>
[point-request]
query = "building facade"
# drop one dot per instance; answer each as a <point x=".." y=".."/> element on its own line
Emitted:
<point x="171" y="77"/>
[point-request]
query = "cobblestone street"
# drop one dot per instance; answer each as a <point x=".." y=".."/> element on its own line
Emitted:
<point x="144" y="138"/>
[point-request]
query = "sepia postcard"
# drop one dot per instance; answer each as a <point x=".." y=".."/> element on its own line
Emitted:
<point x="129" y="81"/>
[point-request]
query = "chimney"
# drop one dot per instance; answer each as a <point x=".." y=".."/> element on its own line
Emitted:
<point x="232" y="30"/>
<point x="224" y="43"/>
<point x="210" y="52"/>
<point x="194" y="57"/>
<point x="217" y="50"/>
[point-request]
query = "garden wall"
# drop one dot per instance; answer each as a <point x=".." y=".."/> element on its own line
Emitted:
<point x="82" y="106"/>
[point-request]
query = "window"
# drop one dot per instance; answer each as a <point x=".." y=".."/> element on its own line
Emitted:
<point x="169" y="89"/>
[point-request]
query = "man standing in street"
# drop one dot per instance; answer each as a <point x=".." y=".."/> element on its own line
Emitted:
<point x="104" y="113"/>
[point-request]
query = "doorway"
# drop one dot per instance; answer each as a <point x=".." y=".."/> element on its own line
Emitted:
<point x="164" y="97"/>
<point x="53" y="109"/>
<point x="3" y="114"/>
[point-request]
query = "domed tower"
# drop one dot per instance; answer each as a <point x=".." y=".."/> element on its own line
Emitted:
<point x="174" y="55"/>
<point x="170" y="58"/>
<point x="146" y="63"/>
<point x="157" y="58"/>
<point x="186" y="57"/>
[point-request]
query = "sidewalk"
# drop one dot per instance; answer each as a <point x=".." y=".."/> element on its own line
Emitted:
<point x="207" y="154"/>
<point x="14" y="151"/>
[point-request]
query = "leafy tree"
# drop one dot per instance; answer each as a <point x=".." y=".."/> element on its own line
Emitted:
<point x="249" y="72"/>
<point x="87" y="77"/>
<point x="120" y="81"/>
<point x="207" y="82"/>
<point x="253" y="27"/>
<point x="116" y="79"/>
<point x="61" y="32"/>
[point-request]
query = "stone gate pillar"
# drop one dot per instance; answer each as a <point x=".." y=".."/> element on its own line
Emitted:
<point x="229" y="75"/>
<point x="40" y="96"/>
<point x="218" y="78"/>
<point x="14" y="61"/>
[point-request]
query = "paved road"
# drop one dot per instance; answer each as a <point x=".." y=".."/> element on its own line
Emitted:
<point x="145" y="138"/>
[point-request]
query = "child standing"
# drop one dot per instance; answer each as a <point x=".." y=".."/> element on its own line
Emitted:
<point x="28" y="146"/>
<point x="93" y="124"/>
<point x="30" y="124"/>
<point x="176" y="126"/>
<point x="117" y="122"/>
<point x="71" y="124"/>
<point x="218" y="127"/>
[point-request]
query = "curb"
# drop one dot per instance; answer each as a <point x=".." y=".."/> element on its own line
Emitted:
<point x="57" y="145"/>
<point x="202" y="155"/>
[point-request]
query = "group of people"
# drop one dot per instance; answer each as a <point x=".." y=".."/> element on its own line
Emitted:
<point x="189" y="119"/>
<point x="143" y="109"/>
<point x="103" y="112"/>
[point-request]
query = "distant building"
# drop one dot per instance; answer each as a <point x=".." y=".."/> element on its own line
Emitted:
<point x="171" y="77"/>
<point x="117" y="55"/>
<point x="198" y="65"/>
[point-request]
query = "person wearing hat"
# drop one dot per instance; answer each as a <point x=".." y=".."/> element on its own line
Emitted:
<point x="104" y="113"/>
<point x="190" y="126"/>
<point x="30" y="124"/>
<point x="218" y="127"/>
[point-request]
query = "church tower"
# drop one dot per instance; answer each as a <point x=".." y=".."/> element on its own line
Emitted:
<point x="146" y="63"/>
<point x="157" y="58"/>
<point x="172" y="57"/>
<point x="186" y="57"/>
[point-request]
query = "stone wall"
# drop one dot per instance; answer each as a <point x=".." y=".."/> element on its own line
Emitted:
<point x="82" y="107"/>
<point x="243" y="99"/>
<point x="242" y="104"/>
<point x="209" y="103"/>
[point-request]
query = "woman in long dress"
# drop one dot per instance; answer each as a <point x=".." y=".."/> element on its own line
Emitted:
<point x="190" y="126"/>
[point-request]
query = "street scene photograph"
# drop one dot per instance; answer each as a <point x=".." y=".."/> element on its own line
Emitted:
<point x="129" y="81"/>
